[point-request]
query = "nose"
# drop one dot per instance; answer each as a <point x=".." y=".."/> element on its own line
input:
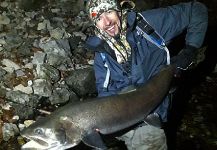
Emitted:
<point x="106" y="20"/>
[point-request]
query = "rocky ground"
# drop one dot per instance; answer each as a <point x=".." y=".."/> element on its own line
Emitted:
<point x="43" y="64"/>
<point x="199" y="126"/>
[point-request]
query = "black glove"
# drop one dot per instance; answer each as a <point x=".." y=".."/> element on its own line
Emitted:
<point x="184" y="59"/>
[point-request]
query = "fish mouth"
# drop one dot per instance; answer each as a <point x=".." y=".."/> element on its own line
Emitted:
<point x="40" y="141"/>
<point x="40" y="144"/>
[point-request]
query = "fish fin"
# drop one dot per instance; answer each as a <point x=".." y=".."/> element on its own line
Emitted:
<point x="94" y="140"/>
<point x="72" y="131"/>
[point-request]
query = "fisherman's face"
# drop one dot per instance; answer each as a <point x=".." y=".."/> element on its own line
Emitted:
<point x="109" y="22"/>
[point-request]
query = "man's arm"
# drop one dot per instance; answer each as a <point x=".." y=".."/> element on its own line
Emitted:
<point x="173" y="20"/>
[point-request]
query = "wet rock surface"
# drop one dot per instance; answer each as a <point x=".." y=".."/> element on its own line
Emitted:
<point x="43" y="65"/>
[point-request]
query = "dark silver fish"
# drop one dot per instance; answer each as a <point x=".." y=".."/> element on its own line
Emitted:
<point x="85" y="121"/>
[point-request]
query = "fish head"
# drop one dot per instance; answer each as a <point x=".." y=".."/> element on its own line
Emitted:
<point x="51" y="134"/>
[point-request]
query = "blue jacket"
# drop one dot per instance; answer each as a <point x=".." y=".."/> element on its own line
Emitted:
<point x="146" y="58"/>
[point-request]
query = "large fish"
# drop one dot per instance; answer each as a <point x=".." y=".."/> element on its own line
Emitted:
<point x="85" y="121"/>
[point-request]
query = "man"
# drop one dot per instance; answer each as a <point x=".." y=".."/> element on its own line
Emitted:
<point x="128" y="54"/>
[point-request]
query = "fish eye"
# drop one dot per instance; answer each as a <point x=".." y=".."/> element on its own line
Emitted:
<point x="39" y="131"/>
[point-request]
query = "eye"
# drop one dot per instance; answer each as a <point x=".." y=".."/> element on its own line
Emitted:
<point x="98" y="19"/>
<point x="39" y="131"/>
<point x="109" y="11"/>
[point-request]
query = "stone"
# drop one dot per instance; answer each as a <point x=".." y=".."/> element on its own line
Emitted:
<point x="56" y="10"/>
<point x="19" y="73"/>
<point x="42" y="87"/>
<point x="80" y="34"/>
<point x="21" y="126"/>
<point x="39" y="58"/>
<point x="2" y="72"/>
<point x="10" y="65"/>
<point x="82" y="81"/>
<point x="4" y="20"/>
<point x="2" y="42"/>
<point x="56" y="54"/>
<point x="18" y="97"/>
<point x="60" y="95"/>
<point x="28" y="65"/>
<point x="13" y="40"/>
<point x="4" y="4"/>
<point x="49" y="73"/>
<point x="2" y="92"/>
<point x="59" y="33"/>
<point x="20" y="87"/>
<point x="9" y="131"/>
<point x="28" y="122"/>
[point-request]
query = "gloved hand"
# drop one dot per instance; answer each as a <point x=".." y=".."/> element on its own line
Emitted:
<point x="184" y="59"/>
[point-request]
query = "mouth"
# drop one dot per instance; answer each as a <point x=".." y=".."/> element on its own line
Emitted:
<point x="111" y="30"/>
<point x="40" y="144"/>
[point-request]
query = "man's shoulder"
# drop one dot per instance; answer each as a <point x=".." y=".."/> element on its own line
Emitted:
<point x="93" y="41"/>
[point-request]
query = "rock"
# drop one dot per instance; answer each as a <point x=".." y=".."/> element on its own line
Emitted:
<point x="56" y="54"/>
<point x="42" y="87"/>
<point x="49" y="73"/>
<point x="28" y="122"/>
<point x="20" y="140"/>
<point x="10" y="65"/>
<point x="59" y="34"/>
<point x="6" y="106"/>
<point x="19" y="73"/>
<point x="4" y="4"/>
<point x="80" y="34"/>
<point x="60" y="95"/>
<point x="2" y="42"/>
<point x="45" y="25"/>
<point x="91" y="62"/>
<point x="21" y="126"/>
<point x="1" y="132"/>
<point x="18" y="97"/>
<point x="56" y="10"/>
<point x="13" y="40"/>
<point x="9" y="131"/>
<point x="39" y="58"/>
<point x="24" y="50"/>
<point x="20" y="87"/>
<point x="7" y="115"/>
<point x="2" y="72"/>
<point x="82" y="81"/>
<point x="31" y="14"/>
<point x="28" y="66"/>
<point x="26" y="110"/>
<point x="4" y="20"/>
<point x="2" y="92"/>
<point x="74" y="42"/>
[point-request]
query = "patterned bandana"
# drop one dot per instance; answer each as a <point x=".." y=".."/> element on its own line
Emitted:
<point x="96" y="8"/>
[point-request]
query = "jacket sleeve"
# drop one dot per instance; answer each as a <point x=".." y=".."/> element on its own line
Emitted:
<point x="173" y="20"/>
<point x="100" y="75"/>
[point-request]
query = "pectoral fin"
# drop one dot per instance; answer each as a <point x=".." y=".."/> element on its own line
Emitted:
<point x="72" y="131"/>
<point x="94" y="140"/>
